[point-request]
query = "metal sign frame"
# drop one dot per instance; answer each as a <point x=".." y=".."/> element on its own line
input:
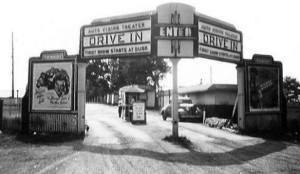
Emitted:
<point x="226" y="45"/>
<point x="263" y="82"/>
<point x="219" y="35"/>
<point x="72" y="90"/>
<point x="138" y="48"/>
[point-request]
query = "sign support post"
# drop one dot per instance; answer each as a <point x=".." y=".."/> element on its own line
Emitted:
<point x="175" y="98"/>
<point x="81" y="96"/>
<point x="241" y="96"/>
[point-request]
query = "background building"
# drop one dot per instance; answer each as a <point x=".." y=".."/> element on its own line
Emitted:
<point x="218" y="100"/>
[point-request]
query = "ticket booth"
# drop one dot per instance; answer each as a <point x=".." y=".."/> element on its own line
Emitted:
<point x="133" y="107"/>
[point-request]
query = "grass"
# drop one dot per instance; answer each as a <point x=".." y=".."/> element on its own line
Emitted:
<point x="181" y="140"/>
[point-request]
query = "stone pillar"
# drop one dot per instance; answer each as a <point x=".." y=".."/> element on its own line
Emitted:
<point x="241" y="96"/>
<point x="81" y="96"/>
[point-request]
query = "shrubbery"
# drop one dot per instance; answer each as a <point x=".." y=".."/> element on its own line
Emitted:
<point x="221" y="123"/>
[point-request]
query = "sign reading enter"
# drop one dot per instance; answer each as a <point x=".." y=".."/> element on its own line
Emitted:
<point x="175" y="31"/>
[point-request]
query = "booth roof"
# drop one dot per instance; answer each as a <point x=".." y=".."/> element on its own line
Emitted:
<point x="132" y="89"/>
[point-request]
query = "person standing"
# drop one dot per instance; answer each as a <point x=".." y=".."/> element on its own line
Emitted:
<point x="120" y="108"/>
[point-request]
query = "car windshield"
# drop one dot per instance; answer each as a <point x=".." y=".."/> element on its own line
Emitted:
<point x="183" y="100"/>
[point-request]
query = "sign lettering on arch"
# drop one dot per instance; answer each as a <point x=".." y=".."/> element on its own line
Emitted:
<point x="116" y="39"/>
<point x="219" y="43"/>
<point x="174" y="30"/>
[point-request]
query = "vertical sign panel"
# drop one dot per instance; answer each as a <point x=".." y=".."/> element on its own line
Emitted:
<point x="175" y="31"/>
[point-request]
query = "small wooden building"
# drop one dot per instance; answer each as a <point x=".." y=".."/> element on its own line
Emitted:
<point x="148" y="96"/>
<point x="217" y="99"/>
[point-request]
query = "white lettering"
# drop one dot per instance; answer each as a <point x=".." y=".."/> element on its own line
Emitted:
<point x="114" y="28"/>
<point x="175" y="31"/>
<point x="118" y="38"/>
<point x="219" y="42"/>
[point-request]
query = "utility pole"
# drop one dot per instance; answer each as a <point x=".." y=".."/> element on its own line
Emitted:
<point x="210" y="70"/>
<point x="12" y="57"/>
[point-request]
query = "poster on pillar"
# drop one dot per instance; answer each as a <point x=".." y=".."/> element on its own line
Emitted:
<point x="263" y="88"/>
<point x="52" y="84"/>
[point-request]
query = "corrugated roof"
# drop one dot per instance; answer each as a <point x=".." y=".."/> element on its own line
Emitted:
<point x="193" y="89"/>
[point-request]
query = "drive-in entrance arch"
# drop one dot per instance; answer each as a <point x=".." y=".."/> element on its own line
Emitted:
<point x="173" y="31"/>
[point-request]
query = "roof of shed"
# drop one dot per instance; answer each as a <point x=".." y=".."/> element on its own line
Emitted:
<point x="207" y="87"/>
<point x="132" y="89"/>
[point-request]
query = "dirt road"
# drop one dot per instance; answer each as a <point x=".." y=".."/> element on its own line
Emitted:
<point x="113" y="145"/>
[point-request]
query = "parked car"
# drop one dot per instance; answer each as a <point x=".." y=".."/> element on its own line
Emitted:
<point x="186" y="110"/>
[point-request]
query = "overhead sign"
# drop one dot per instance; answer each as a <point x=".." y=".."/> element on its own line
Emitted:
<point x="116" y="40"/>
<point x="175" y="31"/>
<point x="219" y="43"/>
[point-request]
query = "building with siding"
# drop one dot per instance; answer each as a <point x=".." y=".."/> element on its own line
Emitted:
<point x="217" y="100"/>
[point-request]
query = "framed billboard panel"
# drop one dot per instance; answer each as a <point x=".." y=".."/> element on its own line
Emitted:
<point x="263" y="89"/>
<point x="128" y="37"/>
<point x="52" y="84"/>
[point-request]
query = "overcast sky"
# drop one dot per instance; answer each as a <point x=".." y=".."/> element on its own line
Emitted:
<point x="269" y="27"/>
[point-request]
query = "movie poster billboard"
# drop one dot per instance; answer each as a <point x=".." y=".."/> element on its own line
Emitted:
<point x="263" y="88"/>
<point x="52" y="86"/>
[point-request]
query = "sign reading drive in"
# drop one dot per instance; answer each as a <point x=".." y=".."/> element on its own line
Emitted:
<point x="219" y="43"/>
<point x="118" y="39"/>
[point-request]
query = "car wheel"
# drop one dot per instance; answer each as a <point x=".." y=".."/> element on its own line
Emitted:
<point x="179" y="118"/>
<point x="163" y="116"/>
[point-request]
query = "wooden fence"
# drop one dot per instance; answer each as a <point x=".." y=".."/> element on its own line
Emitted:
<point x="11" y="114"/>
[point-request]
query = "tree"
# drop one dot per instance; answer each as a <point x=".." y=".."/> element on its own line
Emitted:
<point x="97" y="76"/>
<point x="143" y="71"/>
<point x="108" y="75"/>
<point x="291" y="89"/>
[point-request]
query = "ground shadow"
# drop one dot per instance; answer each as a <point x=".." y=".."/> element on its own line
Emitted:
<point x="236" y="156"/>
<point x="49" y="138"/>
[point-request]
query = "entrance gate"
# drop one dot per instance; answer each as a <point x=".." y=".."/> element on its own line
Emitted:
<point x="173" y="30"/>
